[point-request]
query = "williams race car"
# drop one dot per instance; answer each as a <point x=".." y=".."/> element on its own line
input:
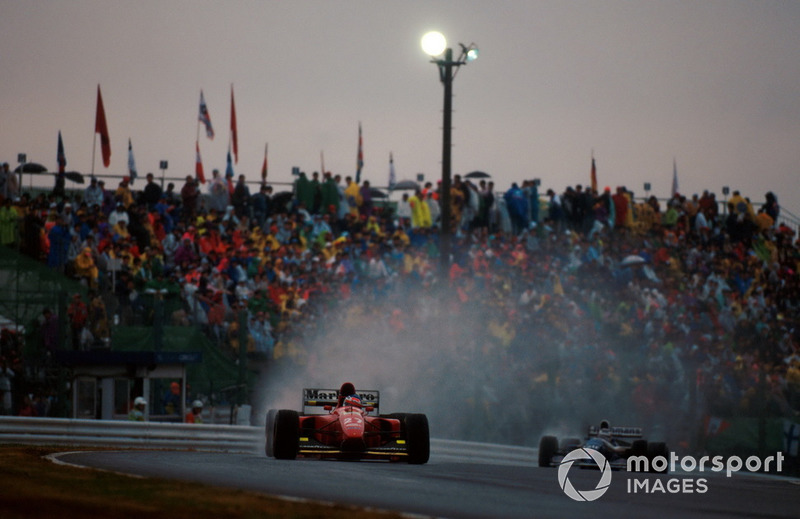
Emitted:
<point x="345" y="425"/>
<point x="616" y="444"/>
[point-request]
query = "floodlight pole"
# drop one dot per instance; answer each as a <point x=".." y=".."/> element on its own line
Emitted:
<point x="446" y="75"/>
<point x="447" y="71"/>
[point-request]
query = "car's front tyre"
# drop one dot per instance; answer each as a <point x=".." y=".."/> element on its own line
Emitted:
<point x="286" y="434"/>
<point x="548" y="448"/>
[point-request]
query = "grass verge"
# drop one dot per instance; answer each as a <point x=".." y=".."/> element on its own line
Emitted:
<point x="33" y="487"/>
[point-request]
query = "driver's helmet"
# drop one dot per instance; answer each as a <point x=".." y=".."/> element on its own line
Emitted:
<point x="604" y="433"/>
<point x="347" y="389"/>
<point x="353" y="400"/>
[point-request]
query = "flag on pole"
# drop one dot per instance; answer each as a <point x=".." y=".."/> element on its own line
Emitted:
<point x="392" y="178"/>
<point x="198" y="165"/>
<point x="205" y="118"/>
<point x="234" y="136"/>
<point x="131" y="162"/>
<point x="101" y="127"/>
<point x="61" y="157"/>
<point x="360" y="158"/>
<point x="264" y="165"/>
<point x="791" y="438"/>
<point x="594" y="176"/>
<point x="229" y="172"/>
<point x="674" y="178"/>
<point x="322" y="163"/>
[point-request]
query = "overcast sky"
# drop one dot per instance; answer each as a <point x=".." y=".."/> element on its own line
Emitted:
<point x="712" y="84"/>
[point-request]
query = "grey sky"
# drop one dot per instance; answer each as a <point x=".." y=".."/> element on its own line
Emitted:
<point x="713" y="84"/>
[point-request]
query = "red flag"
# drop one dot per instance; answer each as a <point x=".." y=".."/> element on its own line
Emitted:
<point x="594" y="176"/>
<point x="234" y="138"/>
<point x="101" y="127"/>
<point x="264" y="165"/>
<point x="198" y="168"/>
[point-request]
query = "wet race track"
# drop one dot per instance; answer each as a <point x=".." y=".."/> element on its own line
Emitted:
<point x="469" y="481"/>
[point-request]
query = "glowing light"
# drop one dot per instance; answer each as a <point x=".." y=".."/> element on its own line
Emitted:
<point x="434" y="43"/>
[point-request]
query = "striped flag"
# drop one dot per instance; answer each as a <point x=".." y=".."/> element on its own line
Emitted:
<point x="131" y="162"/>
<point x="360" y="158"/>
<point x="392" y="178"/>
<point x="198" y="166"/>
<point x="234" y="136"/>
<point x="101" y="127"/>
<point x="61" y="157"/>
<point x="205" y="118"/>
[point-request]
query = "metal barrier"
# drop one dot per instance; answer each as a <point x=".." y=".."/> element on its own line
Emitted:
<point x="110" y="433"/>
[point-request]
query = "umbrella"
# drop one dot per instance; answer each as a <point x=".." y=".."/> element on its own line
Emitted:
<point x="477" y="174"/>
<point x="74" y="176"/>
<point x="404" y="185"/>
<point x="632" y="260"/>
<point x="30" y="167"/>
<point x="376" y="193"/>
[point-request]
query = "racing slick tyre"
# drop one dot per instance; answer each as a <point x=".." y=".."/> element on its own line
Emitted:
<point x="415" y="431"/>
<point x="286" y="434"/>
<point x="269" y="432"/>
<point x="418" y="438"/>
<point x="654" y="450"/>
<point x="639" y="448"/>
<point x="548" y="447"/>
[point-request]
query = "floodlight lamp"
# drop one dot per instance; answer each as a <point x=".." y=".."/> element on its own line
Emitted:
<point x="434" y="43"/>
<point x="471" y="52"/>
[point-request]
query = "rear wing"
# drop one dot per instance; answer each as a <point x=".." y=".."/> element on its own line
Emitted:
<point x="315" y="400"/>
<point x="618" y="432"/>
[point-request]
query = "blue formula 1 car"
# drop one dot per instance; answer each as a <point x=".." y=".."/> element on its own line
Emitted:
<point x="616" y="444"/>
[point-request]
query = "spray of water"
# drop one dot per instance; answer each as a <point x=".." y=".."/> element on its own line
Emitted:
<point x="481" y="361"/>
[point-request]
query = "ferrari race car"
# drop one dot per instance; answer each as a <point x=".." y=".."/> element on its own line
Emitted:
<point x="334" y="426"/>
<point x="616" y="444"/>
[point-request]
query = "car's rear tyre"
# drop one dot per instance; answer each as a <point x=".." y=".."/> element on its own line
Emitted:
<point x="639" y="448"/>
<point x="654" y="450"/>
<point x="418" y="439"/>
<point x="269" y="430"/>
<point x="548" y="448"/>
<point x="398" y="416"/>
<point x="286" y="434"/>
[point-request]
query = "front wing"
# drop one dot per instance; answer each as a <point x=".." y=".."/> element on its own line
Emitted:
<point x="616" y="464"/>
<point x="392" y="450"/>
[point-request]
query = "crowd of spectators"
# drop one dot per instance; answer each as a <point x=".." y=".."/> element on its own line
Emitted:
<point x="593" y="302"/>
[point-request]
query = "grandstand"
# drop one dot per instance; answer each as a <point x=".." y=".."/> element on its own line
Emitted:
<point x="700" y="330"/>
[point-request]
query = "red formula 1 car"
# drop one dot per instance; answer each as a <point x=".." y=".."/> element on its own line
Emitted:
<point x="338" y="426"/>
